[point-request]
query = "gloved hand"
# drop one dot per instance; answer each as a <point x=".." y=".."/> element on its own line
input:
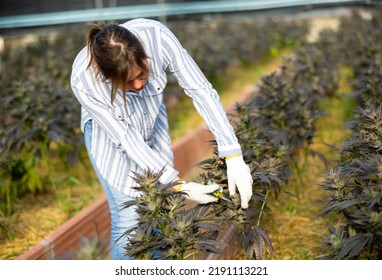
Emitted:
<point x="202" y="194"/>
<point x="239" y="175"/>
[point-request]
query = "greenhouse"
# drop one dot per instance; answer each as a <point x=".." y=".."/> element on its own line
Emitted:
<point x="300" y="83"/>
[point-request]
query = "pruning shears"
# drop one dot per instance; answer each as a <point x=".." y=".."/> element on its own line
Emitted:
<point x="219" y="193"/>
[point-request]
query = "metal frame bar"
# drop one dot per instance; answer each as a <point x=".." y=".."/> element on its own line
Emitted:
<point x="158" y="10"/>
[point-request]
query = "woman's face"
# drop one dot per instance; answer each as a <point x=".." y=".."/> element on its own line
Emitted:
<point x="137" y="79"/>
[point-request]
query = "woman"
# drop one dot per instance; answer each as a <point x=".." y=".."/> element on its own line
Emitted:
<point x="119" y="79"/>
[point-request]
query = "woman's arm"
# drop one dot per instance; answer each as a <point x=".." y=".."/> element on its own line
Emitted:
<point x="204" y="96"/>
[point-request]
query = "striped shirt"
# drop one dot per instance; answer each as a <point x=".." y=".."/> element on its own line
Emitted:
<point x="137" y="138"/>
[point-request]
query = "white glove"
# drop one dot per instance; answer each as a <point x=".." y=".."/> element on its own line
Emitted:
<point x="202" y="194"/>
<point x="239" y="175"/>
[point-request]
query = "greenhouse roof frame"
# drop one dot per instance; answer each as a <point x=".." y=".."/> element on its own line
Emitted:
<point x="161" y="9"/>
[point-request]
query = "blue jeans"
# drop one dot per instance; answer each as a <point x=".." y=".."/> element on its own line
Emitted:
<point x="121" y="220"/>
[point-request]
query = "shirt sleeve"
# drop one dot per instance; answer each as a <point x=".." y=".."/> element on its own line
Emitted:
<point x="204" y="96"/>
<point x="127" y="139"/>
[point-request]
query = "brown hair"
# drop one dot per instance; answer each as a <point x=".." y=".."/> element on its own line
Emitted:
<point x="114" y="51"/>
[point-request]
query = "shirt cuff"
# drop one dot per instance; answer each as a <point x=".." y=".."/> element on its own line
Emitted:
<point x="169" y="174"/>
<point x="230" y="150"/>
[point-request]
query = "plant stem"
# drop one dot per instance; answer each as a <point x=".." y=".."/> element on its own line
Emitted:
<point x="190" y="254"/>
<point x="262" y="208"/>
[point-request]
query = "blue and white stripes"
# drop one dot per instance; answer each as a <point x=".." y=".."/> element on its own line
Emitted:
<point x="137" y="138"/>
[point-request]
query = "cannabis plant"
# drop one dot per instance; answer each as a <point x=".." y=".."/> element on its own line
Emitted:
<point x="361" y="43"/>
<point x="250" y="235"/>
<point x="168" y="228"/>
<point x="366" y="139"/>
<point x="39" y="116"/>
<point x="355" y="191"/>
<point x="288" y="100"/>
<point x="354" y="184"/>
<point x="278" y="120"/>
<point x="92" y="248"/>
<point x="369" y="86"/>
<point x="5" y="231"/>
<point x="17" y="176"/>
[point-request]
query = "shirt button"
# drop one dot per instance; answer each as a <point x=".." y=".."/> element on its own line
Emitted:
<point x="158" y="88"/>
<point x="145" y="113"/>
